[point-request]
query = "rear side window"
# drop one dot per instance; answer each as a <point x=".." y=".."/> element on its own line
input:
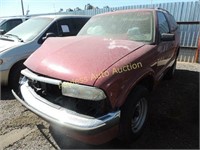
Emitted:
<point x="162" y="22"/>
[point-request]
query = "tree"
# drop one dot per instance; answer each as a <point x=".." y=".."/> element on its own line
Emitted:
<point x="77" y="9"/>
<point x="69" y="9"/>
<point x="89" y="6"/>
<point x="61" y="10"/>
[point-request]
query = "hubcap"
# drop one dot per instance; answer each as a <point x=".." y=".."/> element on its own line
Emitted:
<point x="139" y="115"/>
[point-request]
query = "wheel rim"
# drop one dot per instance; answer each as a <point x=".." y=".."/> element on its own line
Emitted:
<point x="139" y="115"/>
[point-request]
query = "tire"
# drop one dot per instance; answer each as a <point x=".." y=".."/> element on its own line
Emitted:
<point x="170" y="73"/>
<point x="134" y="114"/>
<point x="14" y="75"/>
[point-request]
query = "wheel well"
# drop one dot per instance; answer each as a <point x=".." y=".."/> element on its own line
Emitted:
<point x="14" y="66"/>
<point x="147" y="82"/>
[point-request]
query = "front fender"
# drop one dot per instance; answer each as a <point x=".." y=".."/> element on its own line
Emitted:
<point x="16" y="54"/>
<point x="117" y="86"/>
<point x="120" y="85"/>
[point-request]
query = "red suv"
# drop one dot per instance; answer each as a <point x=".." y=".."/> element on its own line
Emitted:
<point x="95" y="85"/>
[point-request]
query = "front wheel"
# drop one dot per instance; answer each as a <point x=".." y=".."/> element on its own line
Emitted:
<point x="134" y="114"/>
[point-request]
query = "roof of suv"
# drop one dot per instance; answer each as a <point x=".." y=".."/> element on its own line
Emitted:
<point x="127" y="11"/>
<point x="135" y="10"/>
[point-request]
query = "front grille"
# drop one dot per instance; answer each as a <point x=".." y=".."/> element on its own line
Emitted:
<point x="53" y="94"/>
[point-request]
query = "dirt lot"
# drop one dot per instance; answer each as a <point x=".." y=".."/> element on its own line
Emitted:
<point x="173" y="121"/>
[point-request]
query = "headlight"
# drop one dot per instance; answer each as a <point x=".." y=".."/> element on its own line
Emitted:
<point x="82" y="91"/>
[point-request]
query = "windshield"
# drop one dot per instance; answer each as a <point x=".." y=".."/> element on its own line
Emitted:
<point x="136" y="26"/>
<point x="28" y="30"/>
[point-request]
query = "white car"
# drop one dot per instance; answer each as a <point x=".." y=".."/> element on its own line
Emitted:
<point x="8" y="23"/>
<point x="20" y="42"/>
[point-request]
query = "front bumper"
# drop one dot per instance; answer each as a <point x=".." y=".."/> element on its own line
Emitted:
<point x="78" y="126"/>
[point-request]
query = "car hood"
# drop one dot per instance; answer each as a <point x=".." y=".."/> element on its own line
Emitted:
<point x="78" y="59"/>
<point x="5" y="44"/>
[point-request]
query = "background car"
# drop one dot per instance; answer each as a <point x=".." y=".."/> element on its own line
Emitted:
<point x="8" y="23"/>
<point x="17" y="44"/>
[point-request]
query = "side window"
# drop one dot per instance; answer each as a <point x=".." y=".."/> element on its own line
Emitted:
<point x="65" y="27"/>
<point x="162" y="22"/>
<point x="10" y="24"/>
<point x="4" y="26"/>
<point x="52" y="29"/>
<point x="78" y="23"/>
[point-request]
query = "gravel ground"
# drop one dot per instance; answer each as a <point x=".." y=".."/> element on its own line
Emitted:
<point x="173" y="121"/>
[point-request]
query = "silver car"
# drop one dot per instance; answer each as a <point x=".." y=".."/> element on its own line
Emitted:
<point x="20" y="42"/>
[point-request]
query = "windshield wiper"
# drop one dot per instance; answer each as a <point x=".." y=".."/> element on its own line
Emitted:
<point x="14" y="36"/>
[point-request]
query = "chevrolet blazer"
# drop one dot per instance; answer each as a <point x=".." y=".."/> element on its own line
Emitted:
<point x="94" y="87"/>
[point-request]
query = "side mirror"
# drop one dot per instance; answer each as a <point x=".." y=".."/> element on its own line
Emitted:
<point x="50" y="34"/>
<point x="167" y="37"/>
<point x="2" y="32"/>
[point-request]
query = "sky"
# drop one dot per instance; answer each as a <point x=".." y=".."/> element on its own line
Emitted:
<point x="13" y="7"/>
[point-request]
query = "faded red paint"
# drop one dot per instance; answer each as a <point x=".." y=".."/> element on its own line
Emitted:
<point x="75" y="58"/>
